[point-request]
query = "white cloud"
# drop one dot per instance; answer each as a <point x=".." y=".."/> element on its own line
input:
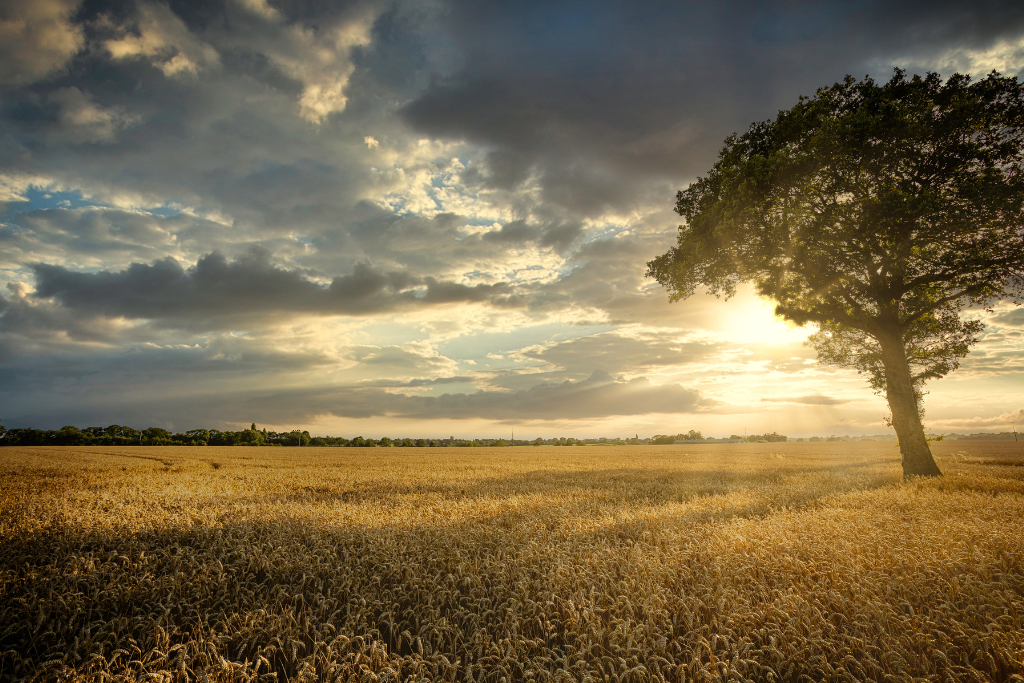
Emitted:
<point x="82" y="120"/>
<point x="36" y="38"/>
<point x="545" y="190"/>
<point x="13" y="187"/>
<point x="165" y="41"/>
<point x="261" y="8"/>
<point x="1004" y="56"/>
<point x="1000" y="422"/>
<point x="321" y="60"/>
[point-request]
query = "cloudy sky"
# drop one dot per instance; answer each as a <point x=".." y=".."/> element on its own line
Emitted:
<point x="424" y="217"/>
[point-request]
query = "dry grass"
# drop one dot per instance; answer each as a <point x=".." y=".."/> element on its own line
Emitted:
<point x="740" y="562"/>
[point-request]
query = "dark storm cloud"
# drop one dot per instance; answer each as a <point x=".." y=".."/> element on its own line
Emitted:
<point x="36" y="38"/>
<point x="142" y="385"/>
<point x="594" y="397"/>
<point x="423" y="382"/>
<point x="213" y="106"/>
<point x="514" y="232"/>
<point x="186" y="388"/>
<point x="309" y="128"/>
<point x="26" y="324"/>
<point x="597" y="396"/>
<point x="558" y="235"/>
<point x="617" y="353"/>
<point x="608" y="102"/>
<point x="220" y="362"/>
<point x="99" y="236"/>
<point x="217" y="293"/>
<point x="612" y="354"/>
<point x="607" y="277"/>
<point x="438" y="244"/>
<point x="600" y="98"/>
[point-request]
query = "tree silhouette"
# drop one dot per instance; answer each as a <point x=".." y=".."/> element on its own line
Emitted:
<point x="878" y="212"/>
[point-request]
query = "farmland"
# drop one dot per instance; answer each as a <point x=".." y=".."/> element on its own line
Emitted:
<point x="793" y="561"/>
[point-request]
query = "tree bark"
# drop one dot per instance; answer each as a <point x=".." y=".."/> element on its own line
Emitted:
<point x="906" y="418"/>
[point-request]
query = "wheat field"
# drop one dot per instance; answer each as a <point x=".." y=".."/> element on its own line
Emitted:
<point x="759" y="562"/>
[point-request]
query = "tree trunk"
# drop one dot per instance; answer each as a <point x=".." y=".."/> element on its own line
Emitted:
<point x="906" y="419"/>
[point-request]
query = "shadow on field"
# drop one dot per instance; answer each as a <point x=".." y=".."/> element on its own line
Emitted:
<point x="510" y="587"/>
<point x="626" y="574"/>
<point x="503" y="596"/>
<point x="625" y="485"/>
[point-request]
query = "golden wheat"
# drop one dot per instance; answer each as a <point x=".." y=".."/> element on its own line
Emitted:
<point x="759" y="562"/>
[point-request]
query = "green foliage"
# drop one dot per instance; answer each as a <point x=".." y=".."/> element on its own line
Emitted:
<point x="878" y="212"/>
<point x="117" y="435"/>
<point x="198" y="437"/>
<point x="866" y="209"/>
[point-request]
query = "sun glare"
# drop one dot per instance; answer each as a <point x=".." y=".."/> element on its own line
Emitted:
<point x="753" y="321"/>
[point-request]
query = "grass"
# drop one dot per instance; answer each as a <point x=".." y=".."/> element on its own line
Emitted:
<point x="760" y="562"/>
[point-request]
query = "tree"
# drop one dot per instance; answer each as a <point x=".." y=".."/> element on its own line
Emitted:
<point x="157" y="436"/>
<point x="68" y="435"/>
<point x="251" y="437"/>
<point x="198" y="436"/>
<point x="878" y="212"/>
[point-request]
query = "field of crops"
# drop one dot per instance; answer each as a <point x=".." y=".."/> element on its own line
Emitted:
<point x="765" y="562"/>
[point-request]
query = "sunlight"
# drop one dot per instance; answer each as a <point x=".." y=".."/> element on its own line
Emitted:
<point x="753" y="321"/>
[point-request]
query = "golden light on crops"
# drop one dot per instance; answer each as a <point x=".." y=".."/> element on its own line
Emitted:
<point x="741" y="562"/>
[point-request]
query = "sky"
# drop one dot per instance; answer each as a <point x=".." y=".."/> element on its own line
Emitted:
<point x="425" y="218"/>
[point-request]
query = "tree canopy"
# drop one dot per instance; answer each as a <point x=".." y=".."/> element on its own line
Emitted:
<point x="878" y="212"/>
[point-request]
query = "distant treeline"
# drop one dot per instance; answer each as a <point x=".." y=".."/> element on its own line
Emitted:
<point x="694" y="435"/>
<point x="118" y="435"/>
<point x="985" y="436"/>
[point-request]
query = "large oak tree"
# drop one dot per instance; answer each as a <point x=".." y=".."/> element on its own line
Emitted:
<point x="878" y="212"/>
